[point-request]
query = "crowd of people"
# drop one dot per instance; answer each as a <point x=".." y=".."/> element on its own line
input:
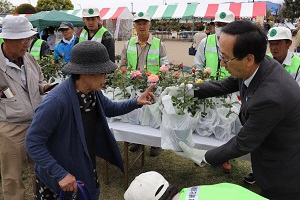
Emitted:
<point x="64" y="132"/>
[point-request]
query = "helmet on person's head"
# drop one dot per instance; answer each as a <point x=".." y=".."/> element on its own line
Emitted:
<point x="141" y="16"/>
<point x="225" y="16"/>
<point x="149" y="185"/>
<point x="279" y="33"/>
<point x="90" y="12"/>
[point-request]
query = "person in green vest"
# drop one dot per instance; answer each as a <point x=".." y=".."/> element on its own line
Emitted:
<point x="39" y="47"/>
<point x="1" y="40"/>
<point x="208" y="54"/>
<point x="95" y="31"/>
<point x="144" y="52"/>
<point x="152" y="185"/>
<point x="280" y="40"/>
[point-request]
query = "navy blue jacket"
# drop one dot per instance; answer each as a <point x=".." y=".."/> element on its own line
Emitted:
<point x="56" y="139"/>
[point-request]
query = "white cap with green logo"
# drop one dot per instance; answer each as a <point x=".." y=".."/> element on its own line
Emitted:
<point x="90" y="12"/>
<point x="141" y="16"/>
<point x="225" y="16"/>
<point x="279" y="33"/>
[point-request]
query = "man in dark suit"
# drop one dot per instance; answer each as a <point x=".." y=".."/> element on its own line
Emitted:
<point x="270" y="112"/>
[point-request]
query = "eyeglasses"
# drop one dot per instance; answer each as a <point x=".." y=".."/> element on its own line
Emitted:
<point x="227" y="61"/>
<point x="27" y="40"/>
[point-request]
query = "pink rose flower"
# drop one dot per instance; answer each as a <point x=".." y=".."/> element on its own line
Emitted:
<point x="176" y="74"/>
<point x="136" y="74"/>
<point x="164" y="68"/>
<point x="207" y="70"/>
<point x="153" y="78"/>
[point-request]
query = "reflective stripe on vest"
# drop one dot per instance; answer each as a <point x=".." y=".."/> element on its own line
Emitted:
<point x="293" y="68"/>
<point x="153" y="57"/>
<point x="97" y="37"/>
<point x="212" y="57"/>
<point x="1" y="40"/>
<point x="36" y="49"/>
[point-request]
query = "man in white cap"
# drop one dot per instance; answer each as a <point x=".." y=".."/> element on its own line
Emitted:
<point x="21" y="87"/>
<point x="280" y="40"/>
<point x="208" y="54"/>
<point x="153" y="186"/>
<point x="95" y="31"/>
<point x="144" y="52"/>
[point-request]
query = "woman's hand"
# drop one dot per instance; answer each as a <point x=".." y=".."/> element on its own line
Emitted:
<point x="146" y="96"/>
<point x="68" y="184"/>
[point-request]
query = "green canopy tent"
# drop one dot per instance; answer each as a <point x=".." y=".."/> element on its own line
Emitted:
<point x="42" y="20"/>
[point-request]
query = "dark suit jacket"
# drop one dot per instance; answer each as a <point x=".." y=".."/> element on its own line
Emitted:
<point x="271" y="126"/>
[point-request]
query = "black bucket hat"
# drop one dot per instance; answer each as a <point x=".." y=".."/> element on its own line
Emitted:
<point x="89" y="57"/>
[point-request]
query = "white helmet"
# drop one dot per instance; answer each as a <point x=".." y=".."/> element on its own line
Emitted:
<point x="279" y="33"/>
<point x="225" y="16"/>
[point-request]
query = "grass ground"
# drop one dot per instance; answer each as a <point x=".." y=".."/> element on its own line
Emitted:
<point x="177" y="170"/>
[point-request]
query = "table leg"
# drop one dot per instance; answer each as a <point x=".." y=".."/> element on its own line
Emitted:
<point x="143" y="156"/>
<point x="126" y="164"/>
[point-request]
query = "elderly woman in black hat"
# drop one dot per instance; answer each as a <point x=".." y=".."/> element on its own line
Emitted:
<point x="69" y="128"/>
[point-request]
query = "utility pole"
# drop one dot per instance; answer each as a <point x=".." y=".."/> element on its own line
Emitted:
<point x="131" y="7"/>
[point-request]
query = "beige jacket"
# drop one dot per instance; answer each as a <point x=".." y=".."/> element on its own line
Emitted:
<point x="197" y="39"/>
<point x="20" y="108"/>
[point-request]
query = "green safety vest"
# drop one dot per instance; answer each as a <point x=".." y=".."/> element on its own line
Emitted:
<point x="36" y="49"/>
<point x="1" y="40"/>
<point x="97" y="37"/>
<point x="153" y="57"/>
<point x="212" y="58"/>
<point x="292" y="69"/>
<point x="224" y="191"/>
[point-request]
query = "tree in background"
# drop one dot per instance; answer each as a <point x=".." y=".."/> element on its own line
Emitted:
<point x="26" y="8"/>
<point x="6" y="6"/>
<point x="290" y="9"/>
<point x="47" y="5"/>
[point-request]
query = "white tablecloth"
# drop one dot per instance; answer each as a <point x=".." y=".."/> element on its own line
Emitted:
<point x="146" y="135"/>
<point x="152" y="137"/>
